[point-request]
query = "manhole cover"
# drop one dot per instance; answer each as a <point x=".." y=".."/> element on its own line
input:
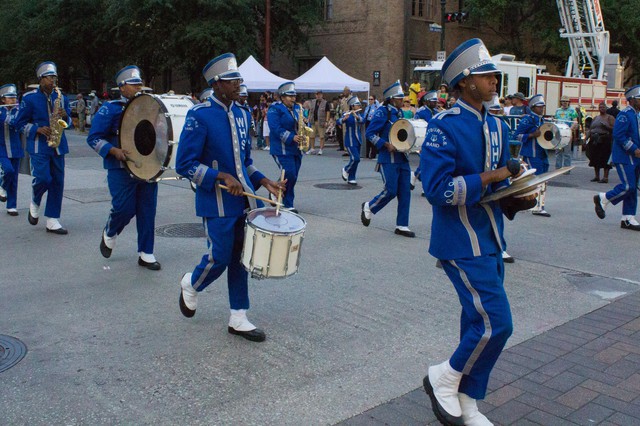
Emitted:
<point x="337" y="186"/>
<point x="12" y="351"/>
<point x="181" y="230"/>
<point x="561" y="184"/>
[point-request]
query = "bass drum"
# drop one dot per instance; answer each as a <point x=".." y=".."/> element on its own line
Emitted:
<point x="150" y="131"/>
<point x="554" y="135"/>
<point x="408" y="135"/>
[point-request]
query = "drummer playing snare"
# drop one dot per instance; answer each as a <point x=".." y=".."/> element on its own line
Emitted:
<point x="129" y="196"/>
<point x="215" y="149"/>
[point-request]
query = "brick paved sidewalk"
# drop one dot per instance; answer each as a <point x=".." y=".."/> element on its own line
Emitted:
<point x="584" y="372"/>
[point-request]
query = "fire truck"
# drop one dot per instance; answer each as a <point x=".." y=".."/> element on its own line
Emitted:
<point x="593" y="74"/>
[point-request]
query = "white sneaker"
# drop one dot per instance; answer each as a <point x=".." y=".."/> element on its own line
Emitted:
<point x="310" y="152"/>
<point x="189" y="296"/>
<point x="53" y="224"/>
<point x="352" y="182"/>
<point x="345" y="175"/>
<point x="265" y="148"/>
<point x="320" y="152"/>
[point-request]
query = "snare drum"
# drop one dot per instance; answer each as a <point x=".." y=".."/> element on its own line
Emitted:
<point x="272" y="243"/>
<point x="150" y="131"/>
<point x="408" y="135"/>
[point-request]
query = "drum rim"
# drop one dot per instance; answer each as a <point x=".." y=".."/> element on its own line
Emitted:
<point x="167" y="158"/>
<point x="269" y="232"/>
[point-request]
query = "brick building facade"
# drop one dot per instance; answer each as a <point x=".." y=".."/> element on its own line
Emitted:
<point x="389" y="36"/>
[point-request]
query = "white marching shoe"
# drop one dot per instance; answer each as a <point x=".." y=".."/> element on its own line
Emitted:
<point x="470" y="413"/>
<point x="240" y="325"/>
<point x="441" y="384"/>
<point x="188" y="296"/>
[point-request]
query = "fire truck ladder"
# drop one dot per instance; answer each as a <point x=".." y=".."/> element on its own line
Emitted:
<point x="583" y="27"/>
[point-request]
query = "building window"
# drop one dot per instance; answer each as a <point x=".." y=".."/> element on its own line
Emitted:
<point x="423" y="8"/>
<point x="327" y="10"/>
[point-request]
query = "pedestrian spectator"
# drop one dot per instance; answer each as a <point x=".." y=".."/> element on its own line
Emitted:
<point x="614" y="111"/>
<point x="408" y="111"/>
<point x="370" y="151"/>
<point x="319" y="115"/>
<point x="259" y="114"/>
<point x="81" y="109"/>
<point x="599" y="136"/>
<point x="266" y="131"/>
<point x="442" y="104"/>
<point x="567" y="115"/>
<point x="518" y="107"/>
<point x="450" y="101"/>
<point x="507" y="105"/>
<point x="444" y="94"/>
<point x="414" y="91"/>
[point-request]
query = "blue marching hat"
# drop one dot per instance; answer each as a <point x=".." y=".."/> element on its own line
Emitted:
<point x="353" y="101"/>
<point x="633" y="92"/>
<point x="288" y="89"/>
<point x="46" y="68"/>
<point x="471" y="57"/>
<point x="393" y="91"/>
<point x="536" y="100"/>
<point x="9" y="91"/>
<point x="430" y="96"/>
<point x="128" y="75"/>
<point x="205" y="94"/>
<point x="243" y="90"/>
<point x="223" y="67"/>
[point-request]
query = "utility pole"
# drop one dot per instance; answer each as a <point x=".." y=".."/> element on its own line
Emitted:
<point x="443" y="6"/>
<point x="267" y="35"/>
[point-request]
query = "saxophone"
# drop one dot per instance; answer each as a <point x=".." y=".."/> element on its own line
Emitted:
<point x="304" y="131"/>
<point x="56" y="124"/>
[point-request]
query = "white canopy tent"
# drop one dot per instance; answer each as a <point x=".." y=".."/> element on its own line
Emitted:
<point x="327" y="77"/>
<point x="258" y="78"/>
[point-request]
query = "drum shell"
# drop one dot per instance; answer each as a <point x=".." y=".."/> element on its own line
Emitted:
<point x="270" y="253"/>
<point x="150" y="131"/>
<point x="408" y="135"/>
<point x="554" y="135"/>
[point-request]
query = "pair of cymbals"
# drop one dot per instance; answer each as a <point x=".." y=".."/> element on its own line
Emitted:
<point x="525" y="185"/>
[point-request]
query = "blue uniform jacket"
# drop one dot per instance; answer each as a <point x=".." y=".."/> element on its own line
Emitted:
<point x="625" y="137"/>
<point x="104" y="132"/>
<point x="216" y="138"/>
<point x="10" y="142"/>
<point x="530" y="148"/>
<point x="32" y="114"/>
<point x="352" y="129"/>
<point x="283" y="126"/>
<point x="460" y="144"/>
<point x="423" y="113"/>
<point x="378" y="133"/>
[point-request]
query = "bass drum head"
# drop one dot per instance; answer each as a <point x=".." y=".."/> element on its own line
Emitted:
<point x="408" y="135"/>
<point x="149" y="130"/>
<point x="554" y="135"/>
<point x="284" y="223"/>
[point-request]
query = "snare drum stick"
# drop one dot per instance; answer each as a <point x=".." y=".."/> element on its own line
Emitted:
<point x="257" y="197"/>
<point x="279" y="195"/>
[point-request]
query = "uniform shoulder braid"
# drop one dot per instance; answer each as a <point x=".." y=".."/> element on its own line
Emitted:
<point x="447" y="113"/>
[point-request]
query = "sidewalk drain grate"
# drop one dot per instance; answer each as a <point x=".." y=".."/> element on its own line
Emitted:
<point x="12" y="351"/>
<point x="181" y="230"/>
<point x="337" y="186"/>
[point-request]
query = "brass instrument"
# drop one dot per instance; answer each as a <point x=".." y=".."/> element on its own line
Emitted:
<point x="56" y="124"/>
<point x="304" y="131"/>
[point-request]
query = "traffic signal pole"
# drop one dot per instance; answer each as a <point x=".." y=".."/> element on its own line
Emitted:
<point x="443" y="6"/>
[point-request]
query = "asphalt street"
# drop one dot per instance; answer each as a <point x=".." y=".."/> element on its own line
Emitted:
<point x="357" y="326"/>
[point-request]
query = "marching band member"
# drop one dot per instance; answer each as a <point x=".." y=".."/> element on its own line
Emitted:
<point x="283" y="118"/>
<point x="47" y="163"/>
<point x="625" y="154"/>
<point x="214" y="149"/>
<point x="352" y="121"/>
<point x="532" y="153"/>
<point x="429" y="103"/>
<point x="392" y="165"/>
<point x="129" y="196"/>
<point x="465" y="156"/>
<point x="11" y="150"/>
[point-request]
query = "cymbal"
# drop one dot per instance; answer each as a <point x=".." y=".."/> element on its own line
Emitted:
<point x="521" y="187"/>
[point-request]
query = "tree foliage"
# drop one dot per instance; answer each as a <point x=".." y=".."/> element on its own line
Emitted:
<point x="530" y="29"/>
<point x="95" y="38"/>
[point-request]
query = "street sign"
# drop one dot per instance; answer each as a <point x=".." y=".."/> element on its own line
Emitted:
<point x="435" y="28"/>
<point x="441" y="55"/>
